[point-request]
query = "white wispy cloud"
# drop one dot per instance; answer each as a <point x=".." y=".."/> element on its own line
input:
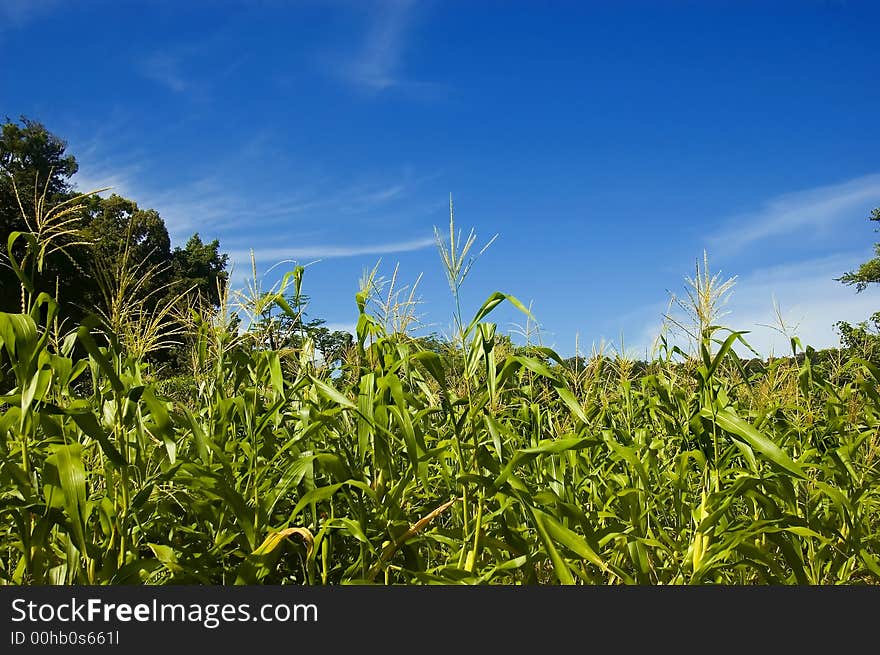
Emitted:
<point x="383" y="194"/>
<point x="376" y="65"/>
<point x="810" y="299"/>
<point x="192" y="67"/>
<point x="304" y="214"/>
<point x="795" y="214"/>
<point x="329" y="251"/>
<point x="164" y="68"/>
<point x="209" y="203"/>
<point x="184" y="208"/>
<point x="113" y="182"/>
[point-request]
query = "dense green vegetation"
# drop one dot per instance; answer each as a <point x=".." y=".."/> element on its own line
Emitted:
<point x="89" y="235"/>
<point x="394" y="459"/>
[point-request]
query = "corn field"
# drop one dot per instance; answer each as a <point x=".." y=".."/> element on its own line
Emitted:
<point x="481" y="464"/>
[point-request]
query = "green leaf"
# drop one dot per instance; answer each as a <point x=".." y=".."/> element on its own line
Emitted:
<point x="559" y="566"/>
<point x="728" y="421"/>
<point x="161" y="422"/>
<point x="87" y="422"/>
<point x="64" y="474"/>
<point x="167" y="556"/>
<point x="332" y="394"/>
<point x="314" y="496"/>
<point x="571" y="402"/>
<point x="573" y="541"/>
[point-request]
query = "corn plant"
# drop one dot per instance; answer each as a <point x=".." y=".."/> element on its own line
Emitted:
<point x="489" y="464"/>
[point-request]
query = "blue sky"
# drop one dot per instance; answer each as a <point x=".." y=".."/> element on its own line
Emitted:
<point x="607" y="144"/>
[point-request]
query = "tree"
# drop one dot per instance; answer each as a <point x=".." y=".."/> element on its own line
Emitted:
<point x="113" y="222"/>
<point x="200" y="265"/>
<point x="33" y="163"/>
<point x="31" y="155"/>
<point x="281" y="323"/>
<point x="112" y="225"/>
<point x="869" y="272"/>
<point x="332" y="344"/>
<point x="864" y="337"/>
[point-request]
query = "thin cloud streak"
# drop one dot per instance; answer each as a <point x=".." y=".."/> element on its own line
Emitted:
<point x="329" y="251"/>
<point x="164" y="69"/>
<point x="119" y="182"/>
<point x="383" y="195"/>
<point x="181" y="68"/>
<point x="792" y="213"/>
<point x="208" y="203"/>
<point x="183" y="208"/>
<point x="376" y="65"/>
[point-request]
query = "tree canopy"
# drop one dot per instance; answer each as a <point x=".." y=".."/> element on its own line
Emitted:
<point x="868" y="272"/>
<point x="35" y="165"/>
<point x="864" y="336"/>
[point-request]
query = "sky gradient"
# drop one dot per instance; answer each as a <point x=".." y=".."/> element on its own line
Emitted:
<point x="606" y="144"/>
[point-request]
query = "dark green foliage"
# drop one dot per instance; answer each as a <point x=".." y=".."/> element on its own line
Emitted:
<point x="864" y="337"/>
<point x="34" y="162"/>
<point x="200" y="267"/>
<point x="114" y="223"/>
<point x="397" y="460"/>
<point x="332" y="344"/>
<point x="483" y="465"/>
<point x="868" y="272"/>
